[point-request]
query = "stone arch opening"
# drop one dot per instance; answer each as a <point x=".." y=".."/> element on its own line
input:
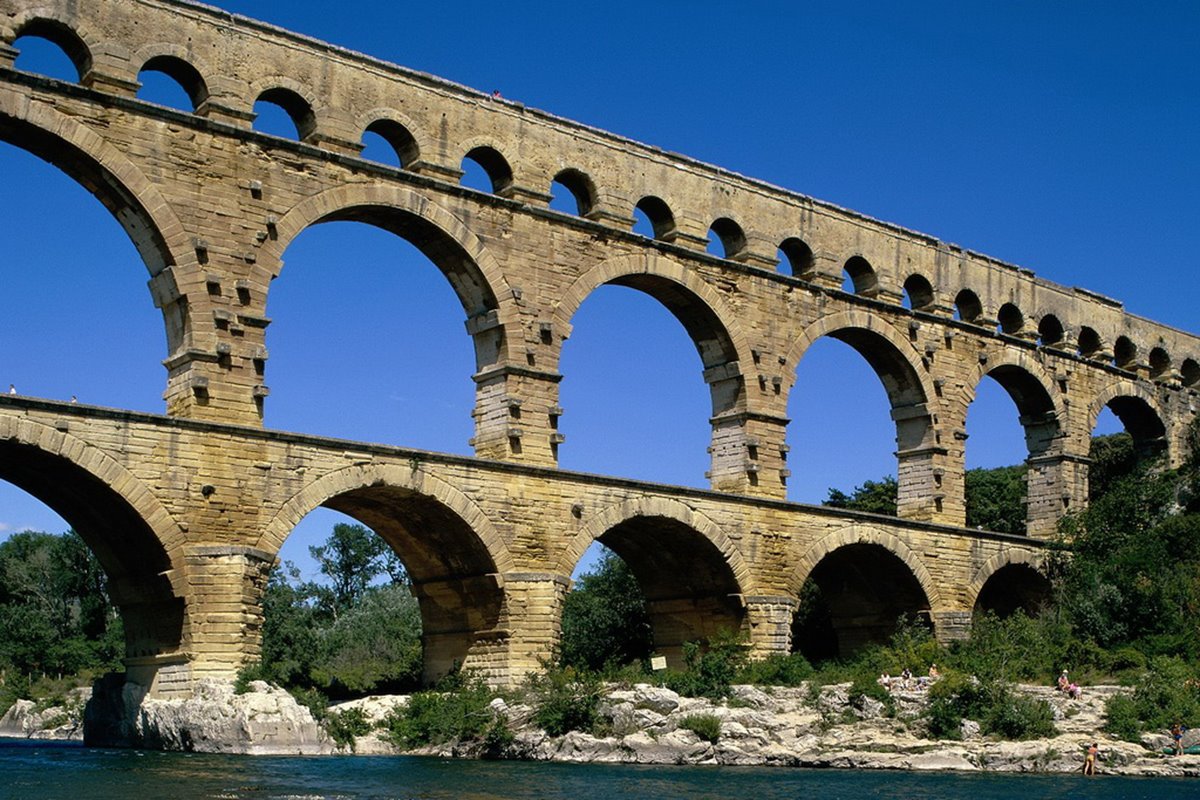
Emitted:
<point x="967" y="306"/>
<point x="297" y="110"/>
<point x="654" y="219"/>
<point x="633" y="417"/>
<point x="1139" y="417"/>
<point x="1050" y="331"/>
<point x="1041" y="491"/>
<point x="1189" y="372"/>
<point x="133" y="540"/>
<point x="573" y="192"/>
<point x="860" y="277"/>
<point x="692" y="593"/>
<point x="1125" y="353"/>
<point x="892" y="361"/>
<point x="453" y="567"/>
<point x="1160" y="363"/>
<point x="399" y="145"/>
<point x="918" y="293"/>
<point x="853" y="598"/>
<point x="1011" y="320"/>
<point x="82" y="260"/>
<point x="1012" y="588"/>
<point x="797" y="256"/>
<point x="174" y="71"/>
<point x="726" y="238"/>
<point x="424" y="394"/>
<point x="1090" y="343"/>
<point x="497" y="174"/>
<point x="61" y="37"/>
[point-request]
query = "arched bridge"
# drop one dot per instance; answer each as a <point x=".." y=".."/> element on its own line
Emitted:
<point x="188" y="510"/>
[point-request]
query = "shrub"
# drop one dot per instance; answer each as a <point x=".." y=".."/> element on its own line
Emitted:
<point x="461" y="714"/>
<point x="992" y="704"/>
<point x="1014" y="716"/>
<point x="345" y="726"/>
<point x="777" y="670"/>
<point x="706" y="726"/>
<point x="1122" y="718"/>
<point x="565" y="700"/>
<point x="709" y="673"/>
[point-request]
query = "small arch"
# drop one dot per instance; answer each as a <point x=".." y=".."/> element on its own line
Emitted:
<point x="861" y="277"/>
<point x="1011" y="320"/>
<point x="1090" y="343"/>
<point x="798" y="256"/>
<point x="297" y="109"/>
<point x="1160" y="363"/>
<point x="726" y="239"/>
<point x="1189" y="371"/>
<point x="659" y="216"/>
<point x="967" y="306"/>
<point x="1125" y="353"/>
<point x="495" y="167"/>
<point x="188" y="79"/>
<point x="61" y="36"/>
<point x="401" y="141"/>
<point x="1050" y="331"/>
<point x="577" y="186"/>
<point x="918" y="293"/>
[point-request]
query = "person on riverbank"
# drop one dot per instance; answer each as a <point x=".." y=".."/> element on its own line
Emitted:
<point x="1177" y="732"/>
<point x="1089" y="760"/>
<point x="1064" y="682"/>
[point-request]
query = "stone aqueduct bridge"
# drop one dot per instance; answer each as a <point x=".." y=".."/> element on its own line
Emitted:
<point x="187" y="511"/>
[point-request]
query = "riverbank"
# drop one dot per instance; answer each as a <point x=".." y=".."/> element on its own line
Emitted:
<point x="644" y="724"/>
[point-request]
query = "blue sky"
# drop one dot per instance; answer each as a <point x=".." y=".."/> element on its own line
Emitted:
<point x="1059" y="136"/>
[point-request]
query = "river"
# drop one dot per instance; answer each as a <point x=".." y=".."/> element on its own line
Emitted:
<point x="48" y="771"/>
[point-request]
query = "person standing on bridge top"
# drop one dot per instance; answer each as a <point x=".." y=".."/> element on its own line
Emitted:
<point x="12" y="389"/>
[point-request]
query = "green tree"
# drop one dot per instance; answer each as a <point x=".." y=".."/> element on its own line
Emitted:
<point x="604" y="621"/>
<point x="875" y="497"/>
<point x="352" y="558"/>
<point x="996" y="499"/>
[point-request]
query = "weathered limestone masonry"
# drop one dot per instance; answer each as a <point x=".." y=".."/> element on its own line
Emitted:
<point x="187" y="511"/>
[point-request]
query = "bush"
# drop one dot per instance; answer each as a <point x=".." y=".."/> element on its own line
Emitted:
<point x="777" y="670"/>
<point x="565" y="700"/>
<point x="709" y="673"/>
<point x="706" y="726"/>
<point x="1165" y="694"/>
<point x="461" y="712"/>
<point x="992" y="704"/>
<point x="345" y="726"/>
<point x="1122" y="715"/>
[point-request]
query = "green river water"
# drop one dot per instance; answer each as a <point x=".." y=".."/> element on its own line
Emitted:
<point x="40" y="770"/>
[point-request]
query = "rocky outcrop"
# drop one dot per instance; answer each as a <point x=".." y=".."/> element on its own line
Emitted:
<point x="262" y="721"/>
<point x="61" y="721"/>
<point x="796" y="727"/>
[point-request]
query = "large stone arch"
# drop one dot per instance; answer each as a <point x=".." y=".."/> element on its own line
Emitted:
<point x="866" y="581"/>
<point x="890" y="355"/>
<point x="864" y="534"/>
<point x="104" y="171"/>
<point x="137" y="541"/>
<point x="455" y="558"/>
<point x="1138" y="409"/>
<point x="482" y="286"/>
<point x="1029" y="377"/>
<point x="713" y="327"/>
<point x="347" y="479"/>
<point x="692" y="578"/>
<point x="1009" y="557"/>
<point x="607" y="518"/>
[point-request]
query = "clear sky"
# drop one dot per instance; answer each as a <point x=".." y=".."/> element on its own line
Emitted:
<point x="1058" y="136"/>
